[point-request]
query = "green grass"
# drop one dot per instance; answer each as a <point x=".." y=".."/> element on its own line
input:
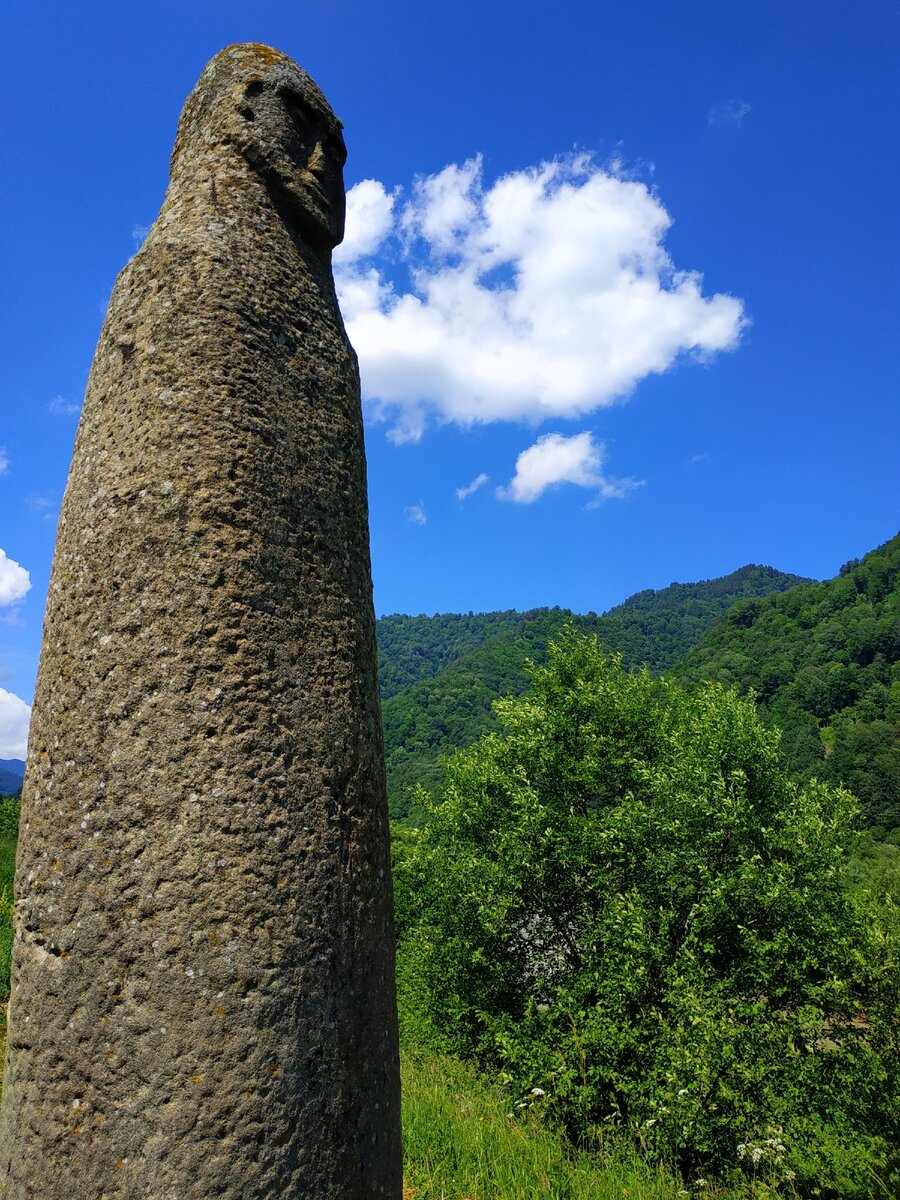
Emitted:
<point x="7" y="871"/>
<point x="462" y="1142"/>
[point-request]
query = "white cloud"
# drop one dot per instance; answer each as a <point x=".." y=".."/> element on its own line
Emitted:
<point x="546" y="294"/>
<point x="60" y="406"/>
<point x="415" y="514"/>
<point x="728" y="112"/>
<point x="15" y="716"/>
<point x="4" y="460"/>
<point x="555" y="459"/>
<point x="369" y="220"/>
<point x="138" y="233"/>
<point x="479" y="481"/>
<point x="14" y="580"/>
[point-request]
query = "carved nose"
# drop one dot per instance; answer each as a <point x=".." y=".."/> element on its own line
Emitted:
<point x="316" y="162"/>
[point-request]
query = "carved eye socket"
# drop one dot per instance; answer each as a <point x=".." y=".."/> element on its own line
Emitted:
<point x="312" y="126"/>
<point x="254" y="88"/>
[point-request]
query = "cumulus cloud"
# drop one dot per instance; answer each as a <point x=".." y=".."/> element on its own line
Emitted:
<point x="415" y="514"/>
<point x="546" y="294"/>
<point x="463" y="493"/>
<point x="555" y="459"/>
<point x="728" y="112"/>
<point x="15" y="716"/>
<point x="370" y="215"/>
<point x="15" y="581"/>
<point x="62" y="407"/>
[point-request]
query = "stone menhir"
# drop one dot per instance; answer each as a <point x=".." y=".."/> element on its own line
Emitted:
<point x="203" y="995"/>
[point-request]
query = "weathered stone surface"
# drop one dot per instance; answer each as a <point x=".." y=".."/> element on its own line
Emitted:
<point x="202" y="995"/>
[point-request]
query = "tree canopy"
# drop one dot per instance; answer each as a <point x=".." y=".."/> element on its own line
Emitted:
<point x="626" y="903"/>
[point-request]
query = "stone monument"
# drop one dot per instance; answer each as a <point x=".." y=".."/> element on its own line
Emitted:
<point x="202" y="991"/>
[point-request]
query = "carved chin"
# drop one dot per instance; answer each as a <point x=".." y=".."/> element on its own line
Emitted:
<point x="305" y="206"/>
<point x="316" y="212"/>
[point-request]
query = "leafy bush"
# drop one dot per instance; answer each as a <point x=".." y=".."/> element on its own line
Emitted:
<point x="9" y="816"/>
<point x="625" y="902"/>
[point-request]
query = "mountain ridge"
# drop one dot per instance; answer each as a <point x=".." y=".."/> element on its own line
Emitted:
<point x="12" y="772"/>
<point x="449" y="702"/>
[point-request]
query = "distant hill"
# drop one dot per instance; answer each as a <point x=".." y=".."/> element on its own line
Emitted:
<point x="657" y="628"/>
<point x="12" y="772"/>
<point x="411" y="649"/>
<point x="824" y="660"/>
<point x="440" y="675"/>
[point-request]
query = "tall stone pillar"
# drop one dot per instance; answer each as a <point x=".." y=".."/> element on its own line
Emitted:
<point x="203" y="995"/>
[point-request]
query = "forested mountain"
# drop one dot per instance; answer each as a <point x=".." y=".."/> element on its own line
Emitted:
<point x="414" y="648"/>
<point x="657" y="628"/>
<point x="440" y="675"/>
<point x="12" y="772"/>
<point x="824" y="660"/>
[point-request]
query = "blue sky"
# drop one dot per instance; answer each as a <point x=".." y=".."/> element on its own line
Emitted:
<point x="631" y="266"/>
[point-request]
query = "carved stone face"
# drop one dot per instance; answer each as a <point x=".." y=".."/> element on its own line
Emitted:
<point x="296" y="143"/>
<point x="260" y="102"/>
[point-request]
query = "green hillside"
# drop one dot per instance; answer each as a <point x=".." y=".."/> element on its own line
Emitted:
<point x="440" y="675"/>
<point x="453" y="708"/>
<point x="411" y="649"/>
<point x="657" y="628"/>
<point x="824" y="660"/>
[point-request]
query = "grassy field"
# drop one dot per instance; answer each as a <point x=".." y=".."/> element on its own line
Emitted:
<point x="7" y="871"/>
<point x="464" y="1141"/>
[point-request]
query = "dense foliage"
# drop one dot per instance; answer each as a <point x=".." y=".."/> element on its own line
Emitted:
<point x="824" y="662"/>
<point x="657" y="628"/>
<point x="440" y="675"/>
<point x="439" y="715"/>
<point x="625" y="903"/>
<point x="411" y="649"/>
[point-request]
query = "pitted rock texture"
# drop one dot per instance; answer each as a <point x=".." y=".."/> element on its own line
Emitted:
<point x="202" y="999"/>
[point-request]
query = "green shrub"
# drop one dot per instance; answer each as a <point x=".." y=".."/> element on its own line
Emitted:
<point x="625" y="902"/>
<point x="9" y="816"/>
